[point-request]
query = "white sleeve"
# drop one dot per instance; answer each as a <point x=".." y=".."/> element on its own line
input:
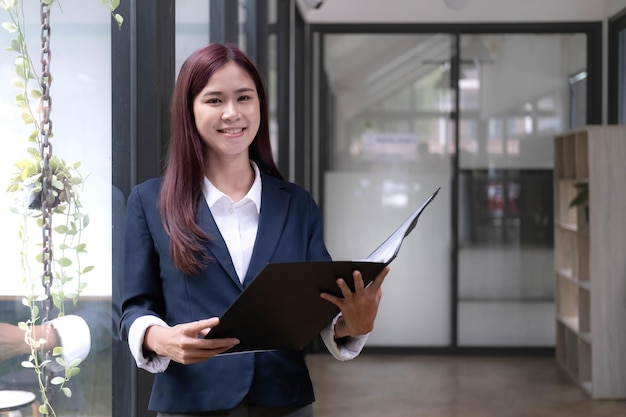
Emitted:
<point x="349" y="348"/>
<point x="74" y="338"/>
<point x="153" y="363"/>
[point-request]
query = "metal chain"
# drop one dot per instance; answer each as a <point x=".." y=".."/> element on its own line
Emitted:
<point x="47" y="196"/>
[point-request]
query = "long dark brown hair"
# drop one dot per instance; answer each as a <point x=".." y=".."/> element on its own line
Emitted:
<point x="184" y="172"/>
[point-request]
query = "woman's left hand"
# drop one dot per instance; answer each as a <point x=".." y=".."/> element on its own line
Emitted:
<point x="358" y="308"/>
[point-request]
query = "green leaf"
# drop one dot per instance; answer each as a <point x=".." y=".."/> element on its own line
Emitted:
<point x="36" y="94"/>
<point x="64" y="262"/>
<point x="582" y="197"/>
<point x="17" y="82"/>
<point x="113" y="4"/>
<point x="61" y="228"/>
<point x="119" y="19"/>
<point x="19" y="100"/>
<point x="67" y="391"/>
<point x="15" y="46"/>
<point x="56" y="183"/>
<point x="26" y="364"/>
<point x="9" y="4"/>
<point x="57" y="380"/>
<point x="11" y="27"/>
<point x="20" y="68"/>
<point x="87" y="269"/>
<point x="27" y="118"/>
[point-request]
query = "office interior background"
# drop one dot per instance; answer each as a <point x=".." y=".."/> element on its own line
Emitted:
<point x="374" y="105"/>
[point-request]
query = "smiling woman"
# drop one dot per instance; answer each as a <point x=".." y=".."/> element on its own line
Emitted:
<point x="227" y="114"/>
<point x="202" y="233"/>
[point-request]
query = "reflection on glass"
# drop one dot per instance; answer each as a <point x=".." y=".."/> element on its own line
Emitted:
<point x="505" y="180"/>
<point x="390" y="149"/>
<point x="81" y="115"/>
<point x="192" y="28"/>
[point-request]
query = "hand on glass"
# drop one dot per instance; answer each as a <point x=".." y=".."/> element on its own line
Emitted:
<point x="185" y="343"/>
<point x="358" y="308"/>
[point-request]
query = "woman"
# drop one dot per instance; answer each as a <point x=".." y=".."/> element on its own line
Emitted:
<point x="197" y="237"/>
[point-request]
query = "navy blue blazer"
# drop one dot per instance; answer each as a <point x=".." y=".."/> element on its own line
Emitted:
<point x="290" y="229"/>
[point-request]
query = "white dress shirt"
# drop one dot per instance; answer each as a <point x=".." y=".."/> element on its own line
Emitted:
<point x="238" y="223"/>
<point x="74" y="338"/>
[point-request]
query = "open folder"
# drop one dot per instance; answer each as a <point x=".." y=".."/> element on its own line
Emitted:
<point x="282" y="308"/>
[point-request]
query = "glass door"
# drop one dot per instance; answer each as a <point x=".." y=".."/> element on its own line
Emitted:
<point x="515" y="96"/>
<point x="388" y="105"/>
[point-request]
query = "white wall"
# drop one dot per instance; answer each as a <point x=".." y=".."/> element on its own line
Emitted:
<point x="612" y="7"/>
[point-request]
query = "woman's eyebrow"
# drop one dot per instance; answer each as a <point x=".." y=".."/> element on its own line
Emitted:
<point x="219" y="93"/>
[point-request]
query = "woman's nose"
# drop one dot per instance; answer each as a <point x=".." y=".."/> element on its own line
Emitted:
<point x="230" y="111"/>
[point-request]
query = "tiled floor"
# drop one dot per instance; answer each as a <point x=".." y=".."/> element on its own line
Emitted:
<point x="450" y="386"/>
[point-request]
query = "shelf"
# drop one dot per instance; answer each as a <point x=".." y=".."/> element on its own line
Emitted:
<point x="566" y="273"/>
<point x="584" y="312"/>
<point x="571" y="227"/>
<point x="565" y="193"/>
<point x="586" y="336"/>
<point x="566" y="257"/>
<point x="571" y="322"/>
<point x="589" y="271"/>
<point x="567" y="297"/>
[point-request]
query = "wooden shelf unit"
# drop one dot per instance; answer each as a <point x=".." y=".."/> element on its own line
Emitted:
<point x="590" y="259"/>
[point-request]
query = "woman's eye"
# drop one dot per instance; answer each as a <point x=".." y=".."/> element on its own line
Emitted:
<point x="244" y="98"/>
<point x="213" y="101"/>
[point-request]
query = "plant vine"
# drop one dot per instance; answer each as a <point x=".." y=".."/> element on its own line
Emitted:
<point x="36" y="173"/>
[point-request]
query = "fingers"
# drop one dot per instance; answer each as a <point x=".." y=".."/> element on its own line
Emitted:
<point x="359" y="287"/>
<point x="359" y="284"/>
<point x="200" y="327"/>
<point x="185" y="343"/>
<point x="378" y="281"/>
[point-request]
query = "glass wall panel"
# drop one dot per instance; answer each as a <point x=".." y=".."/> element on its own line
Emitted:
<point x="81" y="114"/>
<point x="515" y="95"/>
<point x="192" y="28"/>
<point x="389" y="151"/>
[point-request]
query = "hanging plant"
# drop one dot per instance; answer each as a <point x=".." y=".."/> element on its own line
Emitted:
<point x="47" y="193"/>
<point x="28" y="180"/>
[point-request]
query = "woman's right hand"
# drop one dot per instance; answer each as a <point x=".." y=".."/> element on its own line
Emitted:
<point x="185" y="343"/>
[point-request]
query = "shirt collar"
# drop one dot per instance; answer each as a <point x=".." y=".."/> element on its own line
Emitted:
<point x="212" y="195"/>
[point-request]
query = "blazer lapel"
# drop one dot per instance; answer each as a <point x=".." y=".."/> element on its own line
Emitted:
<point x="216" y="244"/>
<point x="272" y="217"/>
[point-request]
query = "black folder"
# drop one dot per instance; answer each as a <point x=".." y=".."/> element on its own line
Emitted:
<point x="282" y="308"/>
